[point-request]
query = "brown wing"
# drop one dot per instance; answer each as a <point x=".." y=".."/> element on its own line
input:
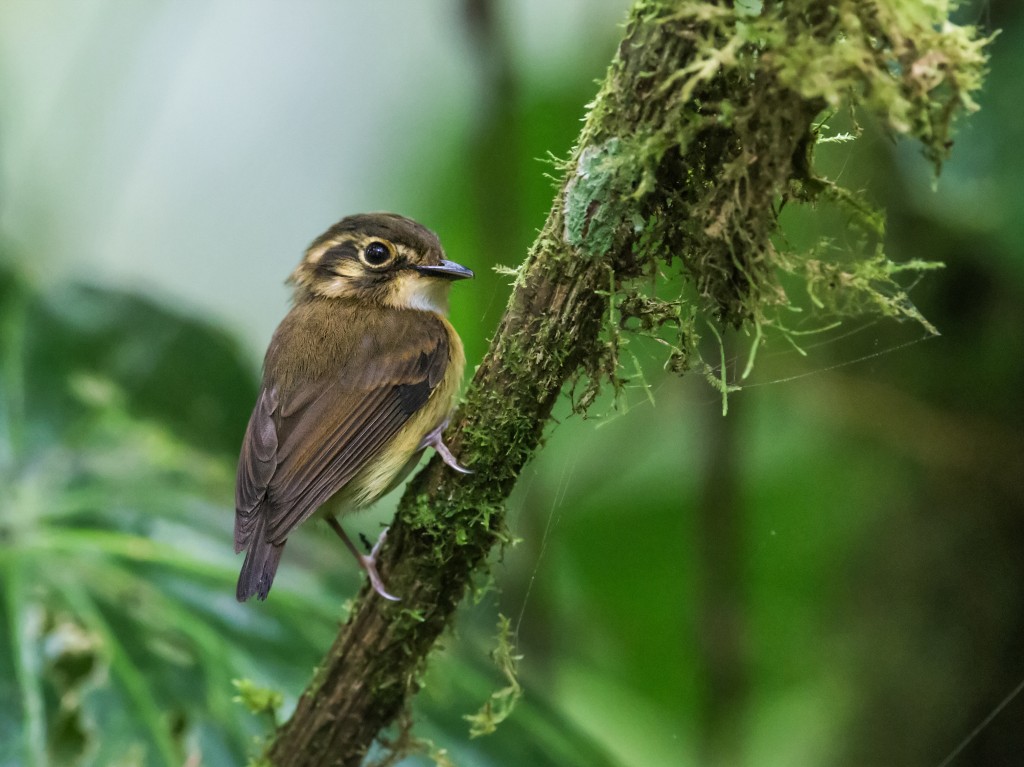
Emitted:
<point x="328" y="442"/>
<point x="256" y="465"/>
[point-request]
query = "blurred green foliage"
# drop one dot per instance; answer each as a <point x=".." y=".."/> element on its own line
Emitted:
<point x="830" y="575"/>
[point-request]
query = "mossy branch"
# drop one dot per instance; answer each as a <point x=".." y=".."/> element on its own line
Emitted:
<point x="704" y="127"/>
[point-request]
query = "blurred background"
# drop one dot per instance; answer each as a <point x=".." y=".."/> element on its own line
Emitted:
<point x="831" y="574"/>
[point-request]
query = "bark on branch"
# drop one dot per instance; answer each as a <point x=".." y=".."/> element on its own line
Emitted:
<point x="702" y="128"/>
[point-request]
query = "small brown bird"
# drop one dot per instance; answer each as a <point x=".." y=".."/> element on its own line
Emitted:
<point x="359" y="379"/>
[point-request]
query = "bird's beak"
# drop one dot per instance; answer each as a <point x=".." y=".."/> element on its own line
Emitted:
<point x="448" y="270"/>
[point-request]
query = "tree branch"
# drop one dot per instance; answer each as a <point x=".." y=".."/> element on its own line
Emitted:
<point x="702" y="128"/>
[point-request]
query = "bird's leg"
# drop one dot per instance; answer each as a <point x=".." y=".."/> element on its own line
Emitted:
<point x="433" y="439"/>
<point x="366" y="561"/>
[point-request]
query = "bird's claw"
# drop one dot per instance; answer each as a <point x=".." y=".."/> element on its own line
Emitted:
<point x="433" y="439"/>
<point x="369" y="564"/>
<point x="366" y="561"/>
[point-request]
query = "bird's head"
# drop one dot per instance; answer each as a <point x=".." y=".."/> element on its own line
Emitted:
<point x="380" y="257"/>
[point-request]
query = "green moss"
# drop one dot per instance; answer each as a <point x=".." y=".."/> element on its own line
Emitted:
<point x="906" y="62"/>
<point x="706" y="127"/>
<point x="259" y="700"/>
<point x="499" y="706"/>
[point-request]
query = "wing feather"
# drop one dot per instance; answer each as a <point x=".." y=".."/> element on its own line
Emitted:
<point x="297" y="496"/>
<point x="256" y="466"/>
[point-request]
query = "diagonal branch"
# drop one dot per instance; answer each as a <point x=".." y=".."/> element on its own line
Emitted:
<point x="703" y="126"/>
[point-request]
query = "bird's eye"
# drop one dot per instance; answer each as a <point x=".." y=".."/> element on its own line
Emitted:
<point x="377" y="253"/>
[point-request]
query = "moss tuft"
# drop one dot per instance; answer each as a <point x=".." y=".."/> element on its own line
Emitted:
<point x="705" y="129"/>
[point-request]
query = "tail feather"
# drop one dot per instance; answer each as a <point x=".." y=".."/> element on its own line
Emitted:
<point x="260" y="565"/>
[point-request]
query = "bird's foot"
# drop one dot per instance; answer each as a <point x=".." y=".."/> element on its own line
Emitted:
<point x="433" y="439"/>
<point x="369" y="563"/>
<point x="366" y="561"/>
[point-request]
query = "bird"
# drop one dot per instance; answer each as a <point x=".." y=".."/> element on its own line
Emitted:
<point x="359" y="379"/>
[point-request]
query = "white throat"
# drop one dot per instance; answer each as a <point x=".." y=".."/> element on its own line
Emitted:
<point x="417" y="291"/>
